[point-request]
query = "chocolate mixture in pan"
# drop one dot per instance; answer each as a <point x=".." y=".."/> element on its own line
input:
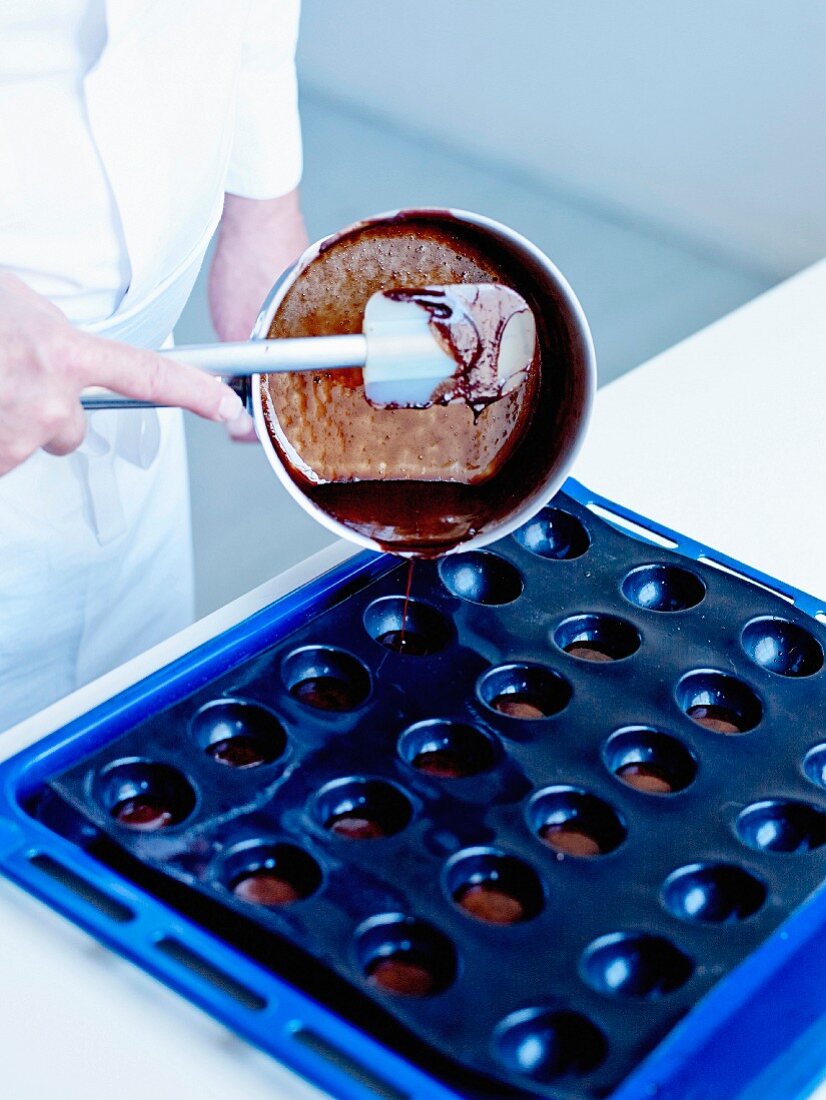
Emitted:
<point x="415" y="480"/>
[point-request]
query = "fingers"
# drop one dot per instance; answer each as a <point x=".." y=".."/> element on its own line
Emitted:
<point x="135" y="372"/>
<point x="242" y="429"/>
<point x="69" y="435"/>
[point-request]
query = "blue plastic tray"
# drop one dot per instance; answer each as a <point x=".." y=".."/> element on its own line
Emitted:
<point x="760" y="1030"/>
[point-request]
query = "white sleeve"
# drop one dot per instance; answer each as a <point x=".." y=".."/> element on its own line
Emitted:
<point x="266" y="155"/>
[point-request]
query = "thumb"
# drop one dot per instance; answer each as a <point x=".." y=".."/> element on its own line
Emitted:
<point x="147" y="376"/>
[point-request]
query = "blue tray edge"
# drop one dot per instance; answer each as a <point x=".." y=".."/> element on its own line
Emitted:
<point x="738" y="1038"/>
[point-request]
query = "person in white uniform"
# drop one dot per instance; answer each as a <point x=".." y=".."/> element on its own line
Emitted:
<point x="129" y="131"/>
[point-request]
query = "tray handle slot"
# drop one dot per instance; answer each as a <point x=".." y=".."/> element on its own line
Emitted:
<point x="634" y="528"/>
<point x="345" y="1063"/>
<point x="92" y="895"/>
<point x="219" y="979"/>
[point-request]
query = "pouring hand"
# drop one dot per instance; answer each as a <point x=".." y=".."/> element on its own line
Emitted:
<point x="45" y="363"/>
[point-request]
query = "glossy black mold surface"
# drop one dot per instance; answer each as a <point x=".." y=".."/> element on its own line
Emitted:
<point x="391" y="784"/>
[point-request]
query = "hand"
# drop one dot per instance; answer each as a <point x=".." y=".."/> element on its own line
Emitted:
<point x="45" y="363"/>
<point x="257" y="240"/>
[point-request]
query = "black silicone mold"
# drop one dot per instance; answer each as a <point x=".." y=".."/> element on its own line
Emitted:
<point x="528" y="821"/>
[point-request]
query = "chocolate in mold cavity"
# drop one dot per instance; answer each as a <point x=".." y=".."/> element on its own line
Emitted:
<point x="716" y="717"/>
<point x="326" y="693"/>
<point x="518" y="704"/>
<point x="403" y="974"/>
<point x="588" y="651"/>
<point x="442" y="764"/>
<point x="355" y="825"/>
<point x="446" y="478"/>
<point x="646" y="777"/>
<point x="144" y="812"/>
<point x="238" y="752"/>
<point x="405" y="641"/>
<point x="569" y="838"/>
<point x="265" y="887"/>
<point x="491" y="902"/>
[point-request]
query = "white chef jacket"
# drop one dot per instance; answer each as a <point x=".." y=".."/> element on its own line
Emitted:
<point x="122" y="124"/>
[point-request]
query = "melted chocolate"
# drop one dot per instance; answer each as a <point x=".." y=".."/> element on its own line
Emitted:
<point x="326" y="693"/>
<point x="144" y="812"/>
<point x="355" y="825"/>
<point x="571" y="839"/>
<point x="238" y="752"/>
<point x="491" y="902"/>
<point x="402" y="974"/>
<point x="518" y="704"/>
<point x="444" y="764"/>
<point x="428" y="517"/>
<point x="717" y="718"/>
<point x="646" y="777"/>
<point x="588" y="651"/>
<point x="265" y="887"/>
<point x="405" y="641"/>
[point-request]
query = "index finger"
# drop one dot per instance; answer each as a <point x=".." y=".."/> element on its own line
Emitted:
<point x="147" y="376"/>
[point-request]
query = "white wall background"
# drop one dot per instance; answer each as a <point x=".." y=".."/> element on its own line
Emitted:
<point x="706" y="118"/>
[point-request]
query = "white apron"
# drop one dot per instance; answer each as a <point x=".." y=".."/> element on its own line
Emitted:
<point x="97" y="555"/>
<point x="186" y="101"/>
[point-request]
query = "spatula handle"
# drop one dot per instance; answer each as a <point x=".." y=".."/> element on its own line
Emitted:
<point x="248" y="357"/>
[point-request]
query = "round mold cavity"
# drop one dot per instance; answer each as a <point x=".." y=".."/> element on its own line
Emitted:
<point x="782" y="825"/>
<point x="362" y="809"/>
<point x="554" y="534"/>
<point x="238" y="734"/>
<point x="404" y="956"/>
<point x="271" y="874"/>
<point x="719" y="702"/>
<point x="663" y="588"/>
<point x="814" y="765"/>
<point x="407" y="627"/>
<point x="145" y="796"/>
<point x="524" y="691"/>
<point x="649" y="761"/>
<point x="493" y="887"/>
<point x="573" y="822"/>
<point x="326" y="678"/>
<point x="481" y="577"/>
<point x="635" y="965"/>
<point x="782" y="647"/>
<point x="59" y="817"/>
<point x="713" y="893"/>
<point x="595" y="637"/>
<point x="545" y="1044"/>
<point x="446" y="750"/>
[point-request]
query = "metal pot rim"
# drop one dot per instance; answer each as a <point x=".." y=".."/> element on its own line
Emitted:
<point x="554" y="480"/>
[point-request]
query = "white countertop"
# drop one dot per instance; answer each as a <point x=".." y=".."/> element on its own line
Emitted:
<point x="719" y="438"/>
<point x="722" y="437"/>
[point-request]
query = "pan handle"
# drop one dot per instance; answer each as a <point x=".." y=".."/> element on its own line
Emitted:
<point x="234" y="363"/>
<point x="96" y="397"/>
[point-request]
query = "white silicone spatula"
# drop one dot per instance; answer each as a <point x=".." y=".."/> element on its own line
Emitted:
<point x="418" y="347"/>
